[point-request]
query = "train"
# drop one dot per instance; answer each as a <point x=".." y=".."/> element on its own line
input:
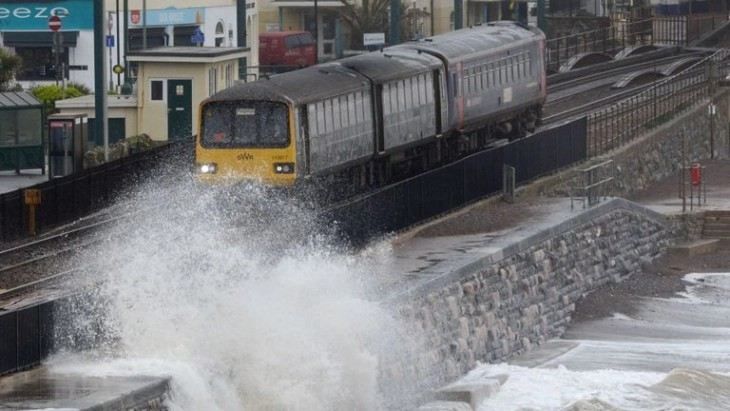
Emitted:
<point x="368" y="120"/>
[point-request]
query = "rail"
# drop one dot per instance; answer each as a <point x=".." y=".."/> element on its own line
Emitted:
<point x="628" y="119"/>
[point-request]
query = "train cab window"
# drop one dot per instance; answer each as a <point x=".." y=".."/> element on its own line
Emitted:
<point x="245" y="124"/>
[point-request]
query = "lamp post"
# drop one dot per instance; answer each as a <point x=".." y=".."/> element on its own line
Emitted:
<point x="316" y="33"/>
<point x="110" y="26"/>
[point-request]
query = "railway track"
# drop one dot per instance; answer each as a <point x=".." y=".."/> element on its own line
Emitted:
<point x="576" y="97"/>
<point x="47" y="261"/>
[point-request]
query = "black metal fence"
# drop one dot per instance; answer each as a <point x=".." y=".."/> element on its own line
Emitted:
<point x="68" y="198"/>
<point x="684" y="30"/>
<point x="26" y="337"/>
<point x="439" y="191"/>
<point x="622" y="122"/>
<point x="662" y="30"/>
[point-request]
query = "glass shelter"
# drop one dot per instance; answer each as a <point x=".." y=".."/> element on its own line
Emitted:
<point x="21" y="132"/>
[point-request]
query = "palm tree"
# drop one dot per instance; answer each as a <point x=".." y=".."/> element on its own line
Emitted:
<point x="9" y="64"/>
<point x="370" y="16"/>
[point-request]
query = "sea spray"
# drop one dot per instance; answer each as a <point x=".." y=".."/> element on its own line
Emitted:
<point x="244" y="300"/>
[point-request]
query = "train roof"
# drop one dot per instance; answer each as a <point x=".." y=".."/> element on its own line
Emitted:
<point x="384" y="65"/>
<point x="300" y="86"/>
<point x="475" y="39"/>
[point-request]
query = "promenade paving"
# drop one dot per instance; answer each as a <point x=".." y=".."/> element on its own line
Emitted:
<point x="11" y="181"/>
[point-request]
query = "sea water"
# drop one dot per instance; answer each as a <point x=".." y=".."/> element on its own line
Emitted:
<point x="243" y="300"/>
<point x="241" y="297"/>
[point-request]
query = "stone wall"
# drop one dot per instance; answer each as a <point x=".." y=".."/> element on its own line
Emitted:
<point x="659" y="154"/>
<point x="509" y="306"/>
<point x="506" y="307"/>
<point x="652" y="157"/>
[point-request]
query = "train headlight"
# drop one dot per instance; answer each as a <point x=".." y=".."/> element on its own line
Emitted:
<point x="283" y="168"/>
<point x="207" y="168"/>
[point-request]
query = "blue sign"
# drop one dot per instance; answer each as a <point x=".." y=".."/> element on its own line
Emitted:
<point x="172" y="16"/>
<point x="110" y="41"/>
<point x="34" y="15"/>
<point x="198" y="36"/>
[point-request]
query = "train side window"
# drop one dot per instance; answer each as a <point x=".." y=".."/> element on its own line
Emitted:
<point x="394" y="97"/>
<point x="344" y="113"/>
<point x="400" y="96"/>
<point x="428" y="88"/>
<point x="336" y="114"/>
<point x="352" y="118"/>
<point x="312" y="117"/>
<point x="363" y="109"/>
<point x="328" y="121"/>
<point x="424" y="86"/>
<point x="386" y="99"/>
<point x="408" y="93"/>
<point x="467" y="81"/>
<point x="415" y="87"/>
<point x="503" y="71"/>
<point x="321" y="120"/>
<point x="485" y="78"/>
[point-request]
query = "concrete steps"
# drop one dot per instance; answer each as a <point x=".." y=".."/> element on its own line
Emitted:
<point x="716" y="224"/>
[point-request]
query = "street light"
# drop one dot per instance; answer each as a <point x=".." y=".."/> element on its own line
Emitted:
<point x="316" y="33"/>
<point x="110" y="26"/>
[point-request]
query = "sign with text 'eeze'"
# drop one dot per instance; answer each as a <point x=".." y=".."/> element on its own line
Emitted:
<point x="35" y="15"/>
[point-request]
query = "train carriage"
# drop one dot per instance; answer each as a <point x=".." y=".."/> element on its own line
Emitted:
<point x="494" y="71"/>
<point x="370" y="119"/>
<point x="276" y="130"/>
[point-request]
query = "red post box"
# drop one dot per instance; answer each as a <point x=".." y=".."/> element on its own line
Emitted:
<point x="696" y="173"/>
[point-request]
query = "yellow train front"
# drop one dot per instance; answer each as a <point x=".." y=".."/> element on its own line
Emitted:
<point x="277" y="131"/>
<point x="246" y="140"/>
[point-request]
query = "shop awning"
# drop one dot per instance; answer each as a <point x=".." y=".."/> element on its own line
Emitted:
<point x="38" y="38"/>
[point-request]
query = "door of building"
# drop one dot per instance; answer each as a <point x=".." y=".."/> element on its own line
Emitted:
<point x="179" y="109"/>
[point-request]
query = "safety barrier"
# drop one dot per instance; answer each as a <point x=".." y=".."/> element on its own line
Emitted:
<point x="65" y="199"/>
<point x="477" y="176"/>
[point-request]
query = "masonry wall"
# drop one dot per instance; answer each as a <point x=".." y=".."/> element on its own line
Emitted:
<point x="506" y="307"/>
<point x="509" y="306"/>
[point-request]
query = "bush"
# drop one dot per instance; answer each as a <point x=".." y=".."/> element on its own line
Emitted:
<point x="140" y="141"/>
<point x="50" y="93"/>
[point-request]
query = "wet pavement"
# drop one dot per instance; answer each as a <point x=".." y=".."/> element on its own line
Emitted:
<point x="11" y="181"/>
<point x="41" y="390"/>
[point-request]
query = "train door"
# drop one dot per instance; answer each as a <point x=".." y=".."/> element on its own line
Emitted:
<point x="179" y="109"/>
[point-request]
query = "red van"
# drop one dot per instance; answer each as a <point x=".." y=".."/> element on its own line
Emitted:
<point x="286" y="50"/>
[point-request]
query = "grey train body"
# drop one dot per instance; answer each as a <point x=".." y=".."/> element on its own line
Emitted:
<point x="413" y="106"/>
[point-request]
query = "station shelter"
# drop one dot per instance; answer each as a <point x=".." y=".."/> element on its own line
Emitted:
<point x="22" y="126"/>
<point x="169" y="83"/>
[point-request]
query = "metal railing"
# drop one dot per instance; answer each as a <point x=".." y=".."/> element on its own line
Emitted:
<point x="622" y="122"/>
<point x="625" y="32"/>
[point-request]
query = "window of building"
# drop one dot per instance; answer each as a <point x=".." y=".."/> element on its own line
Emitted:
<point x="212" y="80"/>
<point x="157" y="90"/>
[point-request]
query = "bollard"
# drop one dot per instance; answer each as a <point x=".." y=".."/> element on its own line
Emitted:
<point x="32" y="198"/>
